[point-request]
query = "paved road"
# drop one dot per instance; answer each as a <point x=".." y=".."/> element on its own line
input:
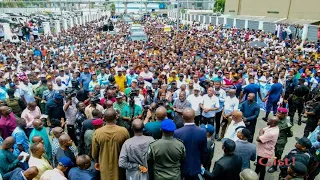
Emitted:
<point x="297" y="132"/>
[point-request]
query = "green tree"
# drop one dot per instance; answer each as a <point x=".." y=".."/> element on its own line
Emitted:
<point x="219" y="6"/>
<point x="113" y="7"/>
<point x="92" y="4"/>
<point x="182" y="10"/>
<point x="20" y="4"/>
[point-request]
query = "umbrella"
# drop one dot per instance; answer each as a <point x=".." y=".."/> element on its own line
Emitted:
<point x="257" y="44"/>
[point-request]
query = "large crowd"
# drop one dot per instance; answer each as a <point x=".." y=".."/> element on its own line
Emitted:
<point x="87" y="104"/>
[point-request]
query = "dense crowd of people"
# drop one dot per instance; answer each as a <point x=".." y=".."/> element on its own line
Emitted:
<point x="88" y="104"/>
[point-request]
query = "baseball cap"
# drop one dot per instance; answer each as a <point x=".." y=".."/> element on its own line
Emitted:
<point x="97" y="122"/>
<point x="229" y="145"/>
<point x="219" y="71"/>
<point x="248" y="174"/>
<point x="134" y="80"/>
<point x="299" y="168"/>
<point x="86" y="66"/>
<point x="208" y="127"/>
<point x="282" y="110"/>
<point x="168" y="125"/>
<point x="66" y="161"/>
<point x="318" y="71"/>
<point x="304" y="142"/>
<point x="119" y="95"/>
<point x="58" y="96"/>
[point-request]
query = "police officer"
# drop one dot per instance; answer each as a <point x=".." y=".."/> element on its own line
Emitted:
<point x="285" y="131"/>
<point x="296" y="100"/>
<point x="290" y="85"/>
<point x="165" y="155"/>
<point x="300" y="154"/>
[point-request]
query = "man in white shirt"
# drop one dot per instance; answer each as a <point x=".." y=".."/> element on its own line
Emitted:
<point x="146" y="74"/>
<point x="59" y="86"/>
<point x="231" y="104"/>
<point x="221" y="94"/>
<point x="236" y="125"/>
<point x="209" y="105"/>
<point x="195" y="99"/>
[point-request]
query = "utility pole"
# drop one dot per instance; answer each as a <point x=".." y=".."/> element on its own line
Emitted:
<point x="178" y="14"/>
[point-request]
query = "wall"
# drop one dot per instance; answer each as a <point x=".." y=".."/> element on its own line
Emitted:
<point x="231" y="7"/>
<point x="299" y="9"/>
<point x="27" y="10"/>
<point x="306" y="9"/>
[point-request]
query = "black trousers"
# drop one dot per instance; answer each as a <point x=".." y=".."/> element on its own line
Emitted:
<point x="197" y="120"/>
<point x="208" y="120"/>
<point x="218" y="121"/>
<point x="71" y="132"/>
<point x="191" y="177"/>
<point x="261" y="168"/>
<point x="310" y="126"/>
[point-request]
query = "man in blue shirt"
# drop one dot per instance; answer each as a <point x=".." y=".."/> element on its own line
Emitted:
<point x="85" y="78"/>
<point x="251" y="111"/>
<point x="251" y="88"/>
<point x="21" y="140"/>
<point x="82" y="171"/>
<point x="273" y="97"/>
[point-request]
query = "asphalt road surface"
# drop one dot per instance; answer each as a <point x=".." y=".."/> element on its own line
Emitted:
<point x="297" y="132"/>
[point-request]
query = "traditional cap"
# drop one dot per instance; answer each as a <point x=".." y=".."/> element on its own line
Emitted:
<point x="66" y="161"/>
<point x="97" y="122"/>
<point x="304" y="142"/>
<point x="196" y="88"/>
<point x="168" y="125"/>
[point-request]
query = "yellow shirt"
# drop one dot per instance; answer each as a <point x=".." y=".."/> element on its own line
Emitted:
<point x="170" y="79"/>
<point x="121" y="81"/>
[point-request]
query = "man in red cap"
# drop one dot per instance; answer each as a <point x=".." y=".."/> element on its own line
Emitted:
<point x="285" y="131"/>
<point x="97" y="123"/>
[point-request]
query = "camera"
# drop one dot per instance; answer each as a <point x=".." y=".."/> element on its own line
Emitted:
<point x="133" y="93"/>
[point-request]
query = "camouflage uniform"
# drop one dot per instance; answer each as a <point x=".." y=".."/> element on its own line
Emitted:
<point x="285" y="131"/>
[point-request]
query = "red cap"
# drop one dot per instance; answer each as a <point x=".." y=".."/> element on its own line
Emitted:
<point x="97" y="122"/>
<point x="283" y="110"/>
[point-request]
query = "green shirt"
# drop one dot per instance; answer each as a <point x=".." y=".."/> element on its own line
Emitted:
<point x="40" y="90"/>
<point x="153" y="129"/>
<point x="167" y="154"/>
<point x="127" y="91"/>
<point x="126" y="112"/>
<point x="119" y="107"/>
<point x="8" y="161"/>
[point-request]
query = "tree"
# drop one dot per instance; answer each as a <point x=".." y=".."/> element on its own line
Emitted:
<point x="92" y="4"/>
<point x="20" y="4"/>
<point x="219" y="6"/>
<point x="113" y="7"/>
<point x="182" y="10"/>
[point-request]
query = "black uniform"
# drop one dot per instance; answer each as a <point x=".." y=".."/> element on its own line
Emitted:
<point x="296" y="101"/>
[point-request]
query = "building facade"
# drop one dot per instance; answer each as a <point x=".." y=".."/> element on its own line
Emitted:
<point x="290" y="9"/>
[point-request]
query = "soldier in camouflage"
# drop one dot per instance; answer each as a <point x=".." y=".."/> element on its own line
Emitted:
<point x="285" y="131"/>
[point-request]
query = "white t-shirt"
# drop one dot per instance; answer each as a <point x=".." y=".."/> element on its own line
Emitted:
<point x="231" y="132"/>
<point x="195" y="103"/>
<point x="145" y="75"/>
<point x="210" y="102"/>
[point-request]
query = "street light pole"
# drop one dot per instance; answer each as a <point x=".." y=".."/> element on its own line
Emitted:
<point x="178" y="14"/>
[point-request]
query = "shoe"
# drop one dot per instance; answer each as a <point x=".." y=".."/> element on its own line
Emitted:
<point x="265" y="119"/>
<point x="219" y="139"/>
<point x="272" y="169"/>
<point x="216" y="136"/>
